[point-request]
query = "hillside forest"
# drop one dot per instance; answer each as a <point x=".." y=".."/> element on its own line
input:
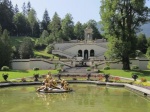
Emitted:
<point x="23" y="35"/>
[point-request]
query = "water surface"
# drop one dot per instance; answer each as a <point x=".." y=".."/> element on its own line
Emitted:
<point x="85" y="98"/>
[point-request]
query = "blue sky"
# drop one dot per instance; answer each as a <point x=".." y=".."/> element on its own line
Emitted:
<point x="81" y="10"/>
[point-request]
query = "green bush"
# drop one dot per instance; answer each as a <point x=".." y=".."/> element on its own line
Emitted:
<point x="49" y="49"/>
<point x="59" y="69"/>
<point x="5" y="68"/>
<point x="88" y="69"/>
<point x="134" y="67"/>
<point x="99" y="71"/>
<point x="35" y="68"/>
<point x="106" y="68"/>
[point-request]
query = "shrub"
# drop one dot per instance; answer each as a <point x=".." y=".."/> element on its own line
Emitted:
<point x="143" y="80"/>
<point x="5" y="68"/>
<point x="106" y="68"/>
<point x="59" y="69"/>
<point x="99" y="71"/>
<point x="49" y="49"/>
<point x="134" y="67"/>
<point x="35" y="68"/>
<point x="88" y="69"/>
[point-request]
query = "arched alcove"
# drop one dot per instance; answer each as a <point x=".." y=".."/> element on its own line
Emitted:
<point x="86" y="54"/>
<point x="79" y="53"/>
<point x="92" y="53"/>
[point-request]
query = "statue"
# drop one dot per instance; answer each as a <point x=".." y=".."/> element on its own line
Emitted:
<point x="88" y="34"/>
<point x="51" y="85"/>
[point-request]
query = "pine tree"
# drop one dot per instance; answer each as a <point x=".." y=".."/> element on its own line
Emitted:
<point x="79" y="31"/>
<point x="45" y="21"/>
<point x="5" y="49"/>
<point x="16" y="9"/>
<point x="68" y="27"/>
<point x="24" y="11"/>
<point x="55" y="28"/>
<point x="28" y="6"/>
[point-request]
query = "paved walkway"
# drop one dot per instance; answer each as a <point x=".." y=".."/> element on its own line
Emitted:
<point x="138" y="89"/>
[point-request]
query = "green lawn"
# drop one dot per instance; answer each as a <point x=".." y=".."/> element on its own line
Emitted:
<point x="128" y="74"/>
<point x="44" y="54"/>
<point x="24" y="73"/>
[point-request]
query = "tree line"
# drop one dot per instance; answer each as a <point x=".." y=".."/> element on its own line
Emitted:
<point x="121" y="20"/>
<point x="26" y="23"/>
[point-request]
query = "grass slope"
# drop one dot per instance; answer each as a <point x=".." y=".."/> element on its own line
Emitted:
<point x="44" y="54"/>
<point x="16" y="41"/>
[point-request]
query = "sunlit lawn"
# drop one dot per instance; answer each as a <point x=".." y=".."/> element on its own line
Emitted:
<point x="42" y="53"/>
<point x="128" y="74"/>
<point x="24" y="73"/>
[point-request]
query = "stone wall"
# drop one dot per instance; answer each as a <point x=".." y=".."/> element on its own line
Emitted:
<point x="26" y="64"/>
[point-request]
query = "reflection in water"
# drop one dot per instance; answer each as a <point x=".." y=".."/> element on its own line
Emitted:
<point x="48" y="98"/>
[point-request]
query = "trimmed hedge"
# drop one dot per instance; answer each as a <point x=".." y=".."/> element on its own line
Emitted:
<point x="106" y="68"/>
<point x="5" y="68"/>
<point x="36" y="68"/>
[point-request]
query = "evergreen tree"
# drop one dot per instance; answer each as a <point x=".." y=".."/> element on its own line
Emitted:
<point x="16" y="10"/>
<point x="0" y="30"/>
<point x="45" y="21"/>
<point x="96" y="33"/>
<point x="11" y="6"/>
<point x="20" y="22"/>
<point x="5" y="49"/>
<point x="24" y="11"/>
<point x="55" y="28"/>
<point x="68" y="27"/>
<point x="36" y="30"/>
<point x="120" y="20"/>
<point x="6" y="16"/>
<point x="79" y="31"/>
<point x="28" y="7"/>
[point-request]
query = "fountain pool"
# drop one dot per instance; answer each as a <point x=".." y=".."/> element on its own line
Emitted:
<point x="84" y="98"/>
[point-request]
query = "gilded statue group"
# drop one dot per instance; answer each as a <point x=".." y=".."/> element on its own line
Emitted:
<point x="50" y="83"/>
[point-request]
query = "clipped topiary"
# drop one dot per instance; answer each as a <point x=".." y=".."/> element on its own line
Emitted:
<point x="35" y="68"/>
<point x="5" y="68"/>
<point x="5" y="76"/>
<point x="106" y="68"/>
<point x="134" y="67"/>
